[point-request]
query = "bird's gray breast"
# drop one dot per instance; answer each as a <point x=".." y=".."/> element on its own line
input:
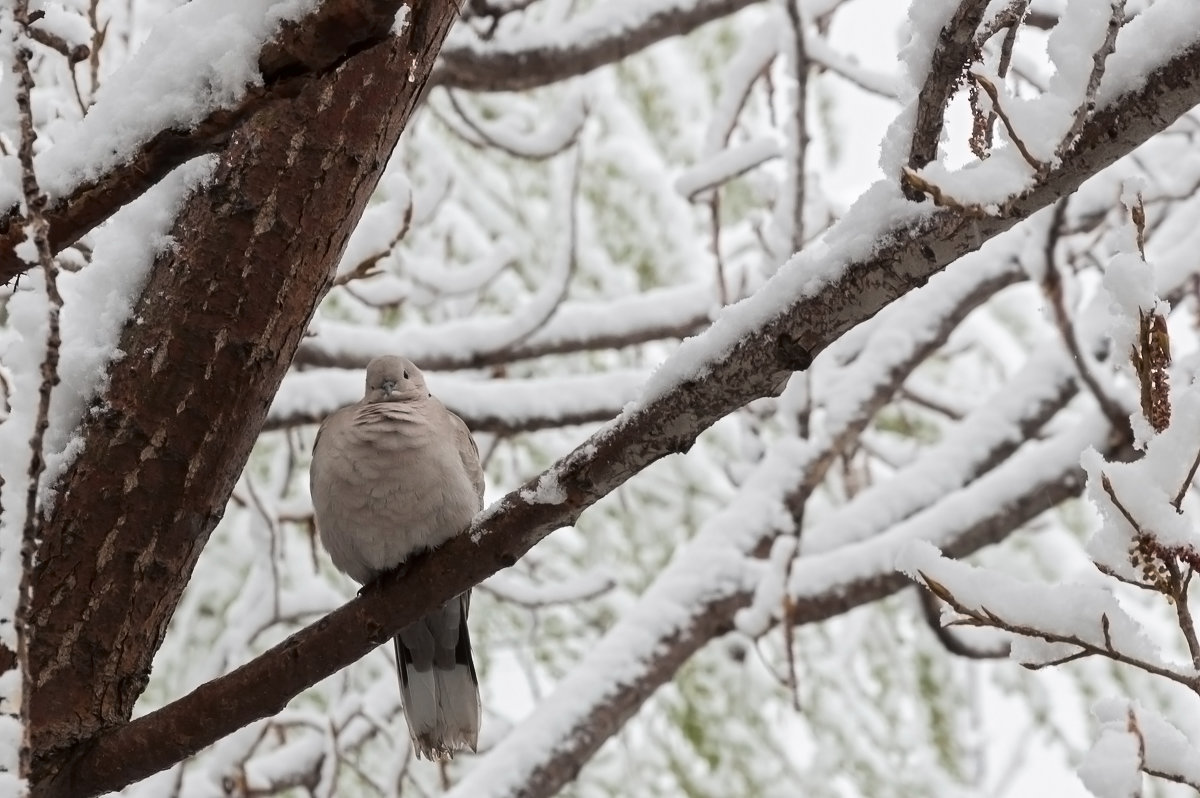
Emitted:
<point x="392" y="483"/>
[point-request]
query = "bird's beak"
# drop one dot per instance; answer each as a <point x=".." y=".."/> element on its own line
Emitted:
<point x="388" y="386"/>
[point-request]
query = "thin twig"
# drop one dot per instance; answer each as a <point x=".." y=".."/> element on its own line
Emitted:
<point x="1177" y="502"/>
<point x="914" y="395"/>
<point x="1175" y="777"/>
<point x="1009" y="20"/>
<point x="1052" y="287"/>
<point x="272" y="523"/>
<point x="1039" y="168"/>
<point x="486" y="139"/>
<point x="1054" y="663"/>
<point x="37" y="230"/>
<point x="1106" y="484"/>
<point x="1099" y="59"/>
<point x="714" y="215"/>
<point x="1182" y="611"/>
<point x="931" y="611"/>
<point x="1109" y="572"/>
<point x="73" y="53"/>
<point x="366" y="267"/>
<point x="799" y="138"/>
<point x="985" y="617"/>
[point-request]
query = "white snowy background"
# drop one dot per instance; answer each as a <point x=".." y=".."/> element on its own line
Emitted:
<point x="584" y="211"/>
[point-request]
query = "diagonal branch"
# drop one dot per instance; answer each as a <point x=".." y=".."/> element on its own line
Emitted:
<point x="576" y="326"/>
<point x="500" y="406"/>
<point x="603" y="35"/>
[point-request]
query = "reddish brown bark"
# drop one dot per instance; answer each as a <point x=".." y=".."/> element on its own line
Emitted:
<point x="219" y="321"/>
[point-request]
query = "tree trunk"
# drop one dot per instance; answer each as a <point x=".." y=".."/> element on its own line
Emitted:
<point x="219" y="320"/>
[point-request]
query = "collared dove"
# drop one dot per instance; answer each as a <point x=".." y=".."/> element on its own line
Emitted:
<point x="392" y="475"/>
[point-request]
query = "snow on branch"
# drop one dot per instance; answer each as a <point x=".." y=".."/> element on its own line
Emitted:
<point x="987" y="436"/>
<point x="952" y="49"/>
<point x="538" y="56"/>
<point x="507" y="135"/>
<point x="501" y="406"/>
<point x="147" y="120"/>
<point x="706" y="584"/>
<point x="1162" y="750"/>
<point x="578" y="325"/>
<point x="1055" y="624"/>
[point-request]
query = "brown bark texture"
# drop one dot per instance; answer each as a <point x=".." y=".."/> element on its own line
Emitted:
<point x="219" y="321"/>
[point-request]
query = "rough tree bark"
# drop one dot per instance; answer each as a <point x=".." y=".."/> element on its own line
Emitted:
<point x="219" y="321"/>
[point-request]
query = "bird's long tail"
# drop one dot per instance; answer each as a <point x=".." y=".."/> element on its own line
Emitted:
<point x="438" y="681"/>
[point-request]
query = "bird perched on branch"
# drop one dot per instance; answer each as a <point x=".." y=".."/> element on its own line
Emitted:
<point x="394" y="474"/>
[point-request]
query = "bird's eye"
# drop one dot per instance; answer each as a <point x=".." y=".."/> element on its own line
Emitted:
<point x="406" y="374"/>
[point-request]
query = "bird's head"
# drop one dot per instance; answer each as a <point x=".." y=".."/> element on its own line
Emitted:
<point x="394" y="379"/>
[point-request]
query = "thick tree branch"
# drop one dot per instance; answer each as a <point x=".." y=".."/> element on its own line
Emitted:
<point x="216" y="326"/>
<point x="300" y="53"/>
<point x="738" y="364"/>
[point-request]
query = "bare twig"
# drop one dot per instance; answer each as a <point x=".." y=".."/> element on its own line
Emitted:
<point x="1054" y="663"/>
<point x="1175" y="777"/>
<point x="918" y="397"/>
<point x="1109" y="572"/>
<point x="1183" y="612"/>
<point x="366" y="267"/>
<point x="1039" y="168"/>
<point x="1106" y="484"/>
<point x="931" y="612"/>
<point x="1052" y="287"/>
<point x="1177" y="502"/>
<point x="1009" y="20"/>
<point x="73" y="54"/>
<point x="1099" y="58"/>
<point x="37" y="232"/>
<point x="484" y="138"/>
<point x="914" y="186"/>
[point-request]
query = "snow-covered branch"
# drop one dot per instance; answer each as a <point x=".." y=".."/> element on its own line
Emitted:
<point x="499" y="406"/>
<point x="575" y="326"/>
<point x="139" y="128"/>
<point x="602" y="35"/>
